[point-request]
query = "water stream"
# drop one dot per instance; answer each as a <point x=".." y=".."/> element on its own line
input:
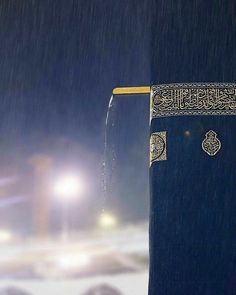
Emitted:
<point x="105" y="171"/>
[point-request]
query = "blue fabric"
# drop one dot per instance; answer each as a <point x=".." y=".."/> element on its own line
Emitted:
<point x="193" y="41"/>
<point x="193" y="209"/>
<point x="193" y="198"/>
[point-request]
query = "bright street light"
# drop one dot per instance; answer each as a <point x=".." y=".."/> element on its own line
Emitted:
<point x="69" y="187"/>
<point x="107" y="220"/>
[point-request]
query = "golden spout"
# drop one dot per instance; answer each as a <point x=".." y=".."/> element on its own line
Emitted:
<point x="131" y="90"/>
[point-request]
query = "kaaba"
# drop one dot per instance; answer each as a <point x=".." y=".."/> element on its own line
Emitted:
<point x="192" y="148"/>
<point x="193" y="177"/>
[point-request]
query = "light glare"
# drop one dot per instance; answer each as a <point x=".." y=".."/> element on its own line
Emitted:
<point x="5" y="236"/>
<point x="69" y="186"/>
<point x="71" y="261"/>
<point x="107" y="220"/>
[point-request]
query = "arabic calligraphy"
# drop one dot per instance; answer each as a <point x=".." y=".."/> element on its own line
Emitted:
<point x="211" y="144"/>
<point x="193" y="99"/>
<point x="158" y="147"/>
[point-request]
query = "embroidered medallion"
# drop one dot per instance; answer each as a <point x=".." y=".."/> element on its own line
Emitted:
<point x="193" y="99"/>
<point x="158" y="147"/>
<point x="211" y="144"/>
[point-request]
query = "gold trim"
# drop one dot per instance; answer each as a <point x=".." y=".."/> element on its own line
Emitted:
<point x="132" y="90"/>
<point x="158" y="147"/>
<point x="150" y="106"/>
<point x="193" y="99"/>
<point x="211" y="144"/>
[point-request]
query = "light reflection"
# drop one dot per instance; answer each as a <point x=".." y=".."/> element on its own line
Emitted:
<point x="107" y="220"/>
<point x="187" y="133"/>
<point x="5" y="236"/>
<point x="72" y="261"/>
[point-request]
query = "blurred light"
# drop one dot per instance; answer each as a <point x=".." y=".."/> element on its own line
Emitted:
<point x="107" y="220"/>
<point x="7" y="180"/>
<point x="12" y="200"/>
<point x="71" y="261"/>
<point x="5" y="236"/>
<point x="187" y="133"/>
<point x="69" y="186"/>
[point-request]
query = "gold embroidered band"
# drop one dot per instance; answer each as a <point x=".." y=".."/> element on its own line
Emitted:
<point x="193" y="99"/>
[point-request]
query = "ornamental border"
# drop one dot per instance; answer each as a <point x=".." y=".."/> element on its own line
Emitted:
<point x="155" y="113"/>
<point x="153" y="155"/>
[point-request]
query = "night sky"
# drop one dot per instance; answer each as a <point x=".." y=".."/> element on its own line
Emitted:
<point x="59" y="61"/>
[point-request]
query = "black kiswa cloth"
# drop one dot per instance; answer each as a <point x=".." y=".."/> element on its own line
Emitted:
<point x="193" y="189"/>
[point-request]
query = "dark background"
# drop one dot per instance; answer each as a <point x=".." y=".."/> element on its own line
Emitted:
<point x="60" y="60"/>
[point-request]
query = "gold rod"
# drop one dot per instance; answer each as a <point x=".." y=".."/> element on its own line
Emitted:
<point x="132" y="90"/>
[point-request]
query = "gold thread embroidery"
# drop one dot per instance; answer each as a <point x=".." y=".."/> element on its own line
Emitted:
<point x="193" y="99"/>
<point x="158" y="147"/>
<point x="211" y="144"/>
